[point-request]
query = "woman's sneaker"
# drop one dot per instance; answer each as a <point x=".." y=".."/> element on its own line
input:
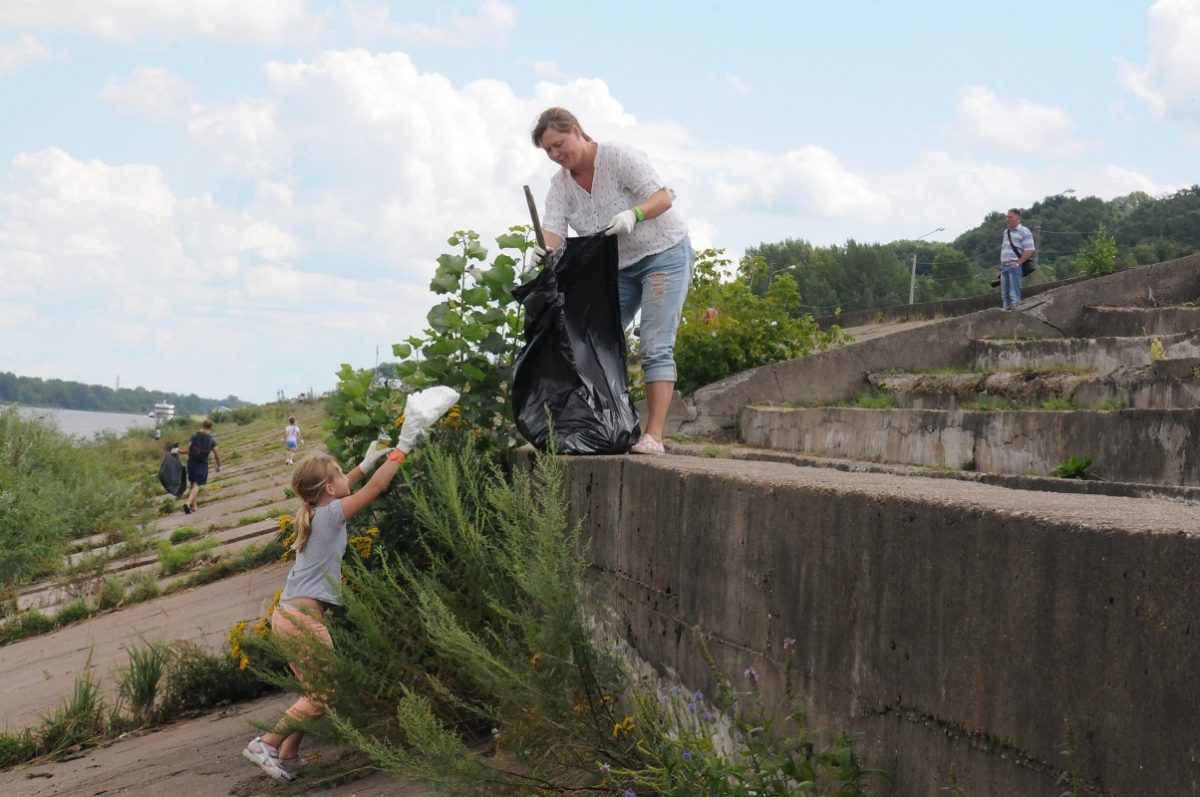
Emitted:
<point x="267" y="758"/>
<point x="647" y="445"/>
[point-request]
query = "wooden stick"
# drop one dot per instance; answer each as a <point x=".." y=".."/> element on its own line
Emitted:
<point x="533" y="214"/>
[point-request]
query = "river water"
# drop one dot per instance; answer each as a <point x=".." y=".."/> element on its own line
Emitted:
<point x="85" y="424"/>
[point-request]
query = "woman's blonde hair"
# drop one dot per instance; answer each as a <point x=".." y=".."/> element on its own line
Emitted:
<point x="560" y="119"/>
<point x="308" y="482"/>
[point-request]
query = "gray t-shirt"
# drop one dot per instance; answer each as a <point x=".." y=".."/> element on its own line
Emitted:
<point x="319" y="566"/>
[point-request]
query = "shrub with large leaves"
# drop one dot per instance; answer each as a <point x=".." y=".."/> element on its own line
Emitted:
<point x="474" y="334"/>
<point x="473" y="337"/>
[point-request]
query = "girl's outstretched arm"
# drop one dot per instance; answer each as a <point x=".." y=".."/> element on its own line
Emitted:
<point x="357" y="502"/>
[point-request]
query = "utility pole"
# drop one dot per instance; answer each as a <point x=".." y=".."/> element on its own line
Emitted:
<point x="912" y="281"/>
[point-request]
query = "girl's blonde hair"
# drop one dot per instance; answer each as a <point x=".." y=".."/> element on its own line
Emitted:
<point x="308" y="482"/>
<point x="560" y="119"/>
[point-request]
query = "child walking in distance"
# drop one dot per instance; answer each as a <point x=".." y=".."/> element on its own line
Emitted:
<point x="291" y="439"/>
<point x="311" y="586"/>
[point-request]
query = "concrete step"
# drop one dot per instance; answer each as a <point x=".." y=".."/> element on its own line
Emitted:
<point x="949" y="390"/>
<point x="1048" y="484"/>
<point x="1161" y="385"/>
<point x="1094" y="354"/>
<point x="48" y="596"/>
<point x="1148" y="446"/>
<point x="1135" y="321"/>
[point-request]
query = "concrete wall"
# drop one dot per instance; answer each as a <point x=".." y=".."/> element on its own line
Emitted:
<point x="952" y="624"/>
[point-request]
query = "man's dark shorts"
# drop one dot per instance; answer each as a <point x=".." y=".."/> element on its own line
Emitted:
<point x="197" y="473"/>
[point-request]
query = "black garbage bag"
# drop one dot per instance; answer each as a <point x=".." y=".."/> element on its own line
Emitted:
<point x="571" y="376"/>
<point x="171" y="475"/>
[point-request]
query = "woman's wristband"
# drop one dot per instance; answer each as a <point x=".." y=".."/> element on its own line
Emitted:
<point x="639" y="214"/>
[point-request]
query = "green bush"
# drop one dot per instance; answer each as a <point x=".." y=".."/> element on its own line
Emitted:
<point x="196" y="680"/>
<point x="143" y="587"/>
<point x="71" y="612"/>
<point x="173" y="558"/>
<point x="28" y="623"/>
<point x="1075" y="468"/>
<point x="240" y="416"/>
<point x="110" y="593"/>
<point x="184" y="533"/>
<point x="727" y="327"/>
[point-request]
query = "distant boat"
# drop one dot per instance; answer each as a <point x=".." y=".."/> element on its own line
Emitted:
<point x="163" y="412"/>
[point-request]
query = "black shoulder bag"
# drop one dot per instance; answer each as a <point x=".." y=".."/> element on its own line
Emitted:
<point x="1027" y="267"/>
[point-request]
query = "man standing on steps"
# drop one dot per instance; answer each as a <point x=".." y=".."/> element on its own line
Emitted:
<point x="202" y="444"/>
<point x="1016" y="247"/>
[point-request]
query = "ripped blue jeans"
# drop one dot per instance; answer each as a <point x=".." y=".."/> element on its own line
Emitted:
<point x="657" y="285"/>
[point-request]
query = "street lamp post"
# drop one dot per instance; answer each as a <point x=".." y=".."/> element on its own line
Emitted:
<point x="912" y="281"/>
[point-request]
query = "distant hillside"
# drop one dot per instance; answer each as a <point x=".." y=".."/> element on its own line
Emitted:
<point x="861" y="276"/>
<point x="1146" y="230"/>
<point x="35" y="392"/>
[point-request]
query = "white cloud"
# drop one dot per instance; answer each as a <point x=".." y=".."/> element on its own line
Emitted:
<point x="807" y="181"/>
<point x="242" y="139"/>
<point x="736" y="85"/>
<point x="169" y="291"/>
<point x="1169" y="81"/>
<point x="23" y="51"/>
<point x="150" y="90"/>
<point x="1114" y="181"/>
<point x="1014" y="123"/>
<point x="261" y="21"/>
<point x="488" y="28"/>
<point x="544" y="70"/>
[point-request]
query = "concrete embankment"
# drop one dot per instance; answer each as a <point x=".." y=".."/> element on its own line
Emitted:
<point x="1006" y="634"/>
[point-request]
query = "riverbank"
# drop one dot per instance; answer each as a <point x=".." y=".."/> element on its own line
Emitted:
<point x="86" y="424"/>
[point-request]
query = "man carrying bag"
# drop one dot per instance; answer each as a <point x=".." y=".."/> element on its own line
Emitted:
<point x="1016" y="251"/>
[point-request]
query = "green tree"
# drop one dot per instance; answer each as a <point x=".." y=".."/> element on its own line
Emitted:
<point x="1099" y="255"/>
<point x="953" y="276"/>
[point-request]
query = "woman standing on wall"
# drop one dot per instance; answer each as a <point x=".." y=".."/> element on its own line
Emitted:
<point x="612" y="188"/>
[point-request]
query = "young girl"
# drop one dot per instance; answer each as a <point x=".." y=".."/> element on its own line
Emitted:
<point x="312" y="584"/>
<point x="291" y="439"/>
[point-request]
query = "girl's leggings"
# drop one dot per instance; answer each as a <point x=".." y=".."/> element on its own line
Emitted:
<point x="291" y="622"/>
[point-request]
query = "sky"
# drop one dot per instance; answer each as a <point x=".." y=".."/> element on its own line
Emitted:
<point x="226" y="197"/>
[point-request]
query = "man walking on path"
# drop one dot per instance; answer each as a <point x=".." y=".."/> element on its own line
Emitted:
<point x="1015" y="249"/>
<point x="202" y="444"/>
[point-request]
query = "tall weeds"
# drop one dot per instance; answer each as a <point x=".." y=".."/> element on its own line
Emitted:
<point x="54" y="489"/>
<point x="472" y="665"/>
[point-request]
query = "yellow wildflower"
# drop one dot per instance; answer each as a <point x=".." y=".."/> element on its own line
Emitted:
<point x="362" y="544"/>
<point x="287" y="536"/>
<point x="453" y="418"/>
<point x="623" y="728"/>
